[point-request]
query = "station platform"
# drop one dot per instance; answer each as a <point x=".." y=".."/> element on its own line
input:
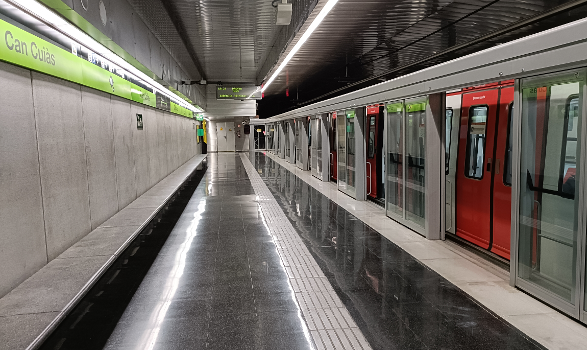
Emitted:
<point x="260" y="259"/>
<point x="264" y="256"/>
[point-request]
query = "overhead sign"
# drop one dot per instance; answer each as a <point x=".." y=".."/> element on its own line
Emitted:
<point x="231" y="92"/>
<point x="199" y="117"/>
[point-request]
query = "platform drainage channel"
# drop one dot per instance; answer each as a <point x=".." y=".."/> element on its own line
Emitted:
<point x="92" y="321"/>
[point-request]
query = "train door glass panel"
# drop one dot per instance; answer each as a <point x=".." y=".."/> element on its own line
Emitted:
<point x="548" y="217"/>
<point x="350" y="148"/>
<point x="286" y="138"/>
<point x="341" y="147"/>
<point x="298" y="126"/>
<point x="395" y="154"/>
<point x="318" y="145"/>
<point x="448" y="125"/>
<point x="415" y="154"/>
<point x="332" y="140"/>
<point x="313" y="150"/>
<point x="278" y="138"/>
<point x="476" y="142"/>
<point x="270" y="131"/>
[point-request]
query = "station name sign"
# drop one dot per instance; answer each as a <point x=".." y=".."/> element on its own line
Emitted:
<point x="231" y="92"/>
<point x="80" y="66"/>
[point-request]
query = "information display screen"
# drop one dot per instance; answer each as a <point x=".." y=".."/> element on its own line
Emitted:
<point x="231" y="92"/>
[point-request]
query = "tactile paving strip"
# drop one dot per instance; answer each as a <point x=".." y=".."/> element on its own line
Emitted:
<point x="328" y="320"/>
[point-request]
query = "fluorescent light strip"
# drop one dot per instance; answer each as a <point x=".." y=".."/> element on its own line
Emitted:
<point x="52" y="19"/>
<point x="325" y="10"/>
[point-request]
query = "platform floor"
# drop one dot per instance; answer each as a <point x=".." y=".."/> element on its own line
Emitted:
<point x="261" y="260"/>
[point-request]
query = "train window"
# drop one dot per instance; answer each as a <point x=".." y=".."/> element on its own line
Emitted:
<point x="371" y="152"/>
<point x="507" y="171"/>
<point x="476" y="142"/>
<point x="449" y="115"/>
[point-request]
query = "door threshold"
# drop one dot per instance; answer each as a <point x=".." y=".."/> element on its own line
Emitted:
<point x="478" y="251"/>
<point x="379" y="201"/>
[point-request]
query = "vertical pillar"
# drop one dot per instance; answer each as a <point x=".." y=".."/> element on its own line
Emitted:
<point x="291" y="139"/>
<point x="434" y="208"/>
<point x="303" y="129"/>
<point x="252" y="134"/>
<point x="360" y="154"/>
<point x="323" y="119"/>
<point x="282" y="139"/>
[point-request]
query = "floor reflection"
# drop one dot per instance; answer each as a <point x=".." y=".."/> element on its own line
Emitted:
<point x="397" y="302"/>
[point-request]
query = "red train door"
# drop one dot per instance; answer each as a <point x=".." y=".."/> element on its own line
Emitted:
<point x="372" y="154"/>
<point x="483" y="192"/>
<point x="474" y="169"/>
<point x="502" y="180"/>
<point x="332" y="141"/>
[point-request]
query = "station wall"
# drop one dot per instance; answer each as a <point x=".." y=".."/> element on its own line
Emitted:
<point x="70" y="158"/>
<point x="227" y="136"/>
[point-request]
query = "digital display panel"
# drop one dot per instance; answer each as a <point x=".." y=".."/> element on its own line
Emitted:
<point x="231" y="92"/>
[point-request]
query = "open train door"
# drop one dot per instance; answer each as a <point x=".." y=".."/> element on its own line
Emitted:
<point x="375" y="156"/>
<point x="333" y="147"/>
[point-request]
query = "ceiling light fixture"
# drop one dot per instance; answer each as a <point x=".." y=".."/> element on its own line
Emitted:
<point x="50" y="18"/>
<point x="325" y="10"/>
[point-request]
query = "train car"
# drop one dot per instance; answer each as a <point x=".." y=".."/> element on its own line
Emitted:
<point x="333" y="147"/>
<point x="375" y="157"/>
<point x="478" y="165"/>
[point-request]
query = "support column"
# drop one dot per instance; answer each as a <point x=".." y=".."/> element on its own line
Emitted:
<point x="303" y="128"/>
<point x="325" y="126"/>
<point x="434" y="209"/>
<point x="360" y="154"/>
<point x="291" y="139"/>
<point x="282" y="139"/>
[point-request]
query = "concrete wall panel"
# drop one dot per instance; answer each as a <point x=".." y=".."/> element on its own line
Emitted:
<point x="155" y="50"/>
<point x="162" y="150"/>
<point x="141" y="36"/>
<point x="120" y="25"/>
<point x="58" y="113"/>
<point x="22" y="237"/>
<point x="123" y="121"/>
<point x="99" y="146"/>
<point x="152" y="144"/>
<point x="140" y="150"/>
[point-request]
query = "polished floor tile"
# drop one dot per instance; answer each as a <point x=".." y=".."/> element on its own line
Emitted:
<point x="218" y="282"/>
<point x="398" y="302"/>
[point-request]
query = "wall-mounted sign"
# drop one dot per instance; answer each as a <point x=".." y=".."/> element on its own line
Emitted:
<point x="231" y="92"/>
<point x="199" y="117"/>
<point x="139" y="121"/>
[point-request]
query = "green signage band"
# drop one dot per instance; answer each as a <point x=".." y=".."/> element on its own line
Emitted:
<point x="24" y="49"/>
<point x="395" y="107"/>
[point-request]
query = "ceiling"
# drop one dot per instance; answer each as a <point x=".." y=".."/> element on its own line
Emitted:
<point x="360" y="42"/>
<point x="228" y="40"/>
